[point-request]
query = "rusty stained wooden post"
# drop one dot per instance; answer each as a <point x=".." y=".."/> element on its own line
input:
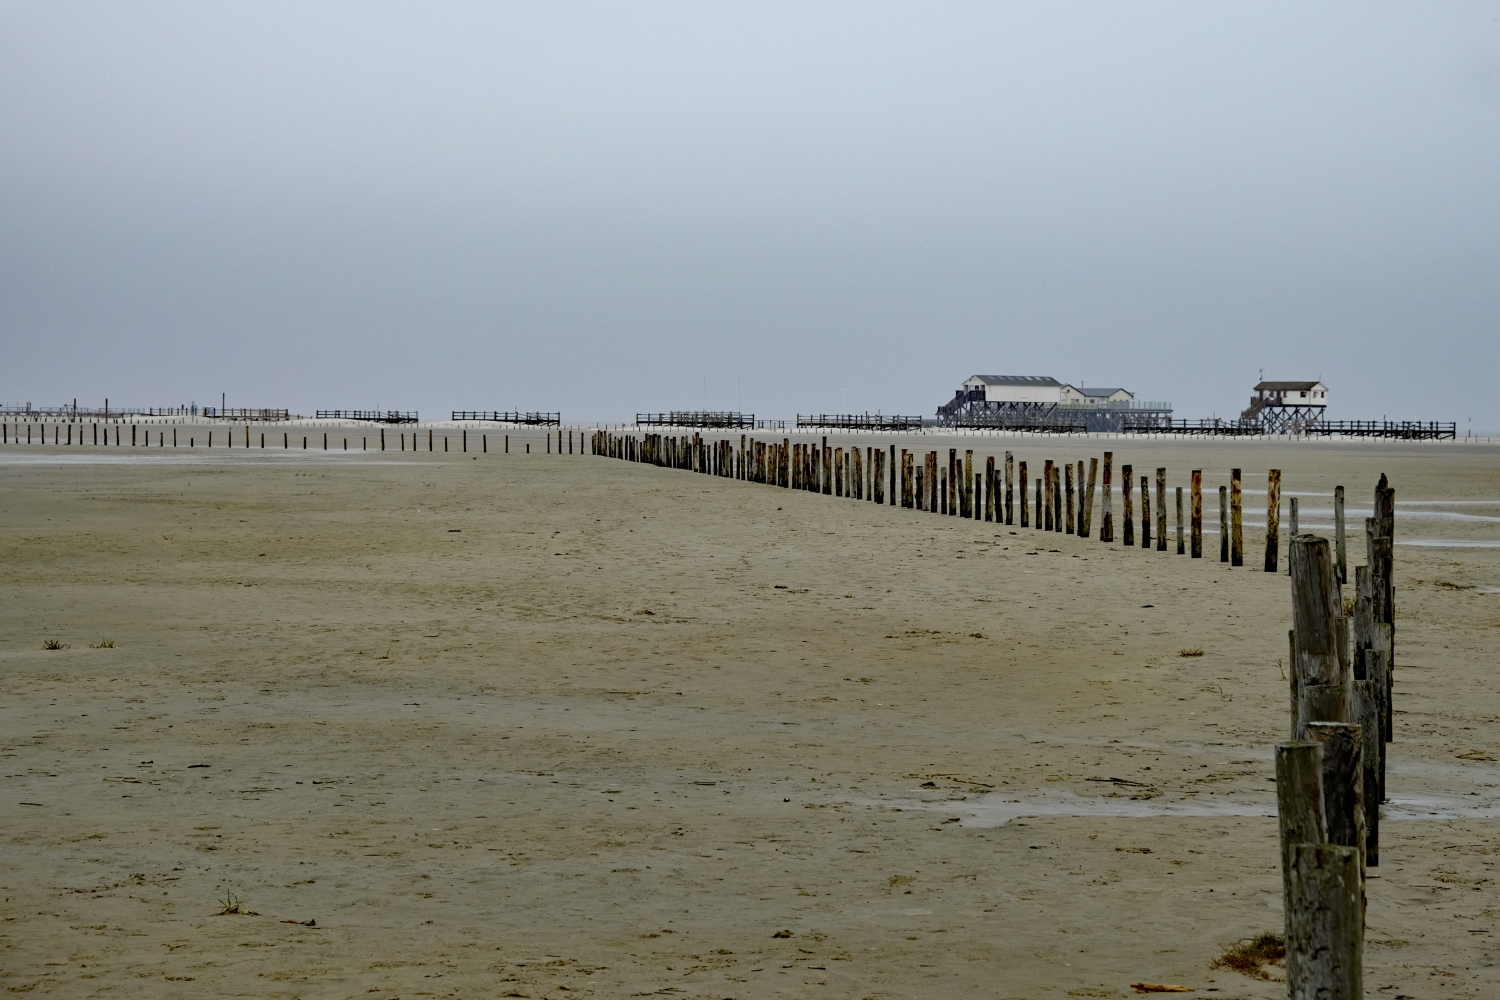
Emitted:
<point x="1088" y="498"/>
<point x="1107" y="517"/>
<point x="1046" y="511"/>
<point x="1070" y="513"/>
<point x="1024" y="507"/>
<point x="1127" y="506"/>
<point x="838" y="472"/>
<point x="1057" y="499"/>
<point x="1009" y="496"/>
<point x="878" y="482"/>
<point x="1145" y="512"/>
<point x="1273" y="519"/>
<point x="1236" y="520"/>
<point x="1197" y="515"/>
<point x="1223" y="524"/>
<point x="906" y="491"/>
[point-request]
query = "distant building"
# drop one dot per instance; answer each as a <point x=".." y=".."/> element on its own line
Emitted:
<point x="1079" y="396"/>
<point x="1013" y="389"/>
<point x="1041" y="402"/>
<point x="1290" y="394"/>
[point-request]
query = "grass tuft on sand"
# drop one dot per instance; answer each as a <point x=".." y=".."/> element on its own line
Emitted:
<point x="1251" y="956"/>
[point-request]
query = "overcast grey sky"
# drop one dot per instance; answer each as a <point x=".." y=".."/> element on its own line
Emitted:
<point x="609" y="207"/>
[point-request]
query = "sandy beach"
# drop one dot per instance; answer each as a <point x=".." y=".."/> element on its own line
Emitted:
<point x="400" y="706"/>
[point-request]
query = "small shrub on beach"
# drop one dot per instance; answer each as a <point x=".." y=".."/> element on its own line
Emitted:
<point x="103" y="644"/>
<point x="54" y="644"/>
<point x="1195" y="651"/>
<point x="1250" y="957"/>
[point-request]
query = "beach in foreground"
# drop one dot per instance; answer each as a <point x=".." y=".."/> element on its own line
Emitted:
<point x="540" y="726"/>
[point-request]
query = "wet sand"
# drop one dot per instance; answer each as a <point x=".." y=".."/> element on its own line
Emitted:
<point x="540" y="726"/>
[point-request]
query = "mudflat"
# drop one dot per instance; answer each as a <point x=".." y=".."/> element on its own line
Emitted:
<point x="547" y="725"/>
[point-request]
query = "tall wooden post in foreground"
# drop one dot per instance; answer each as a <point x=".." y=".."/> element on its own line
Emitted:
<point x="1127" y="506"/>
<point x="1325" y="925"/>
<point x="1070" y="513"/>
<point x="1046" y="511"/>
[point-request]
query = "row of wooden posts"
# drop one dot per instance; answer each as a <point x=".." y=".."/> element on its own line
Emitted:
<point x="1064" y="498"/>
<point x="141" y="437"/>
<point x="1330" y="777"/>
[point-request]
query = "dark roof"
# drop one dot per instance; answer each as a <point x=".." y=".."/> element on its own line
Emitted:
<point x="1284" y="386"/>
<point x="1100" y="392"/>
<point x="1042" y="380"/>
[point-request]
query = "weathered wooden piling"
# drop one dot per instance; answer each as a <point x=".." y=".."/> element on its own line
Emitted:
<point x="1325" y="924"/>
<point x="1223" y="524"/>
<point x="1366" y="708"/>
<point x="1145" y="512"/>
<point x="1161" y="510"/>
<point x="1317" y="666"/>
<point x="1343" y="782"/>
<point x="1088" y="498"/>
<point x="1057" y="499"/>
<point x="1299" y="806"/>
<point x="932" y="481"/>
<point x="1273" y="518"/>
<point x="989" y="488"/>
<point x="1024" y="507"/>
<point x="1070" y="513"/>
<point x="1340" y="548"/>
<point x="1010" y="464"/>
<point x="1038" y="524"/>
<point x="1106" y="520"/>
<point x="966" y="501"/>
<point x="1197" y="515"/>
<point x="1046" y="511"/>
<point x="1180" y="547"/>
<point x="1127" y="506"/>
<point x="1236" y="520"/>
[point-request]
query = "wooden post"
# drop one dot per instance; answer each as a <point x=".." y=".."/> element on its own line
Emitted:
<point x="878" y="482"/>
<point x="1088" y="498"/>
<point x="1343" y="782"/>
<point x="838" y="472"/>
<point x="1127" y="506"/>
<point x="1340" y="549"/>
<point x="1367" y="711"/>
<point x="989" y="489"/>
<point x="1046" y="511"/>
<point x="1145" y="513"/>
<point x="966" y="499"/>
<point x="1057" y="499"/>
<point x="1107" y="521"/>
<point x="1180" y="547"/>
<point x="1161" y="510"/>
<point x="1236" y="521"/>
<point x="1299" y="807"/>
<point x="932" y="481"/>
<point x="1223" y="524"/>
<point x="1038" y="524"/>
<point x="1325" y="924"/>
<point x="893" y="473"/>
<point x="1197" y="514"/>
<point x="908" y="491"/>
<point x="1024" y="508"/>
<point x="827" y="468"/>
<point x="1010" y="464"/>
<point x="1293" y="519"/>
<point x="1070" y="513"/>
<point x="1322" y="694"/>
<point x="951" y="505"/>
<point x="1273" y="518"/>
